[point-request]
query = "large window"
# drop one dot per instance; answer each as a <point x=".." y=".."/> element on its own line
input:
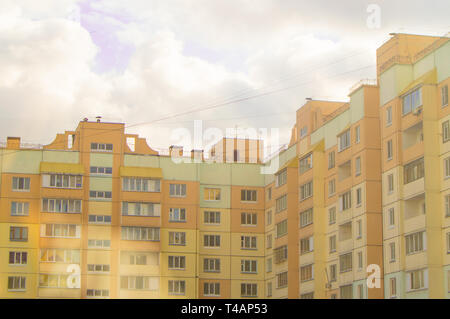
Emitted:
<point x="411" y="101"/>
<point x="249" y="266"/>
<point x="177" y="262"/>
<point x="306" y="190"/>
<point x="281" y="178"/>
<point x="415" y="279"/>
<point x="177" y="238"/>
<point x="306" y="217"/>
<point x="53" y="281"/>
<point x="211" y="217"/>
<point x="306" y="245"/>
<point x="248" y="195"/>
<point x="211" y="265"/>
<point x="282" y="228"/>
<point x="177" y="214"/>
<point x="211" y="241"/>
<point x="20" y="208"/>
<point x="20" y="183"/>
<point x="177" y="287"/>
<point x="248" y="242"/>
<point x="141" y="209"/>
<point x="344" y="140"/>
<point x="414" y="171"/>
<point x="281" y="203"/>
<point x="177" y="190"/>
<point x="345" y="262"/>
<point x="139" y="282"/>
<point x="346" y="292"/>
<point x="17" y="283"/>
<point x="137" y="184"/>
<point x="211" y="289"/>
<point x="249" y="219"/>
<point x="101" y="147"/>
<point x="282" y="279"/>
<point x="58" y="255"/>
<point x="414" y="243"/>
<point x="305" y="163"/>
<point x="140" y="233"/>
<point x="211" y="194"/>
<point x="281" y="254"/>
<point x="18" y="257"/>
<point x="100" y="170"/>
<point x="62" y="181"/>
<point x="100" y="194"/>
<point x="249" y="290"/>
<point x="18" y="233"/>
<point x="60" y="230"/>
<point x="306" y="273"/>
<point x="50" y="205"/>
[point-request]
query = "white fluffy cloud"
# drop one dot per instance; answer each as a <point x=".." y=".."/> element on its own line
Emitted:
<point x="177" y="56"/>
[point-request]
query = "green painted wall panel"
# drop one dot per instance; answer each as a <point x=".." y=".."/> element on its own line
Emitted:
<point x="61" y="157"/>
<point x="247" y="175"/>
<point x="215" y="173"/>
<point x="98" y="159"/>
<point x="141" y="161"/>
<point x="21" y="161"/>
<point x="100" y="183"/>
<point x="443" y="62"/>
<point x="181" y="171"/>
<point x="357" y="105"/>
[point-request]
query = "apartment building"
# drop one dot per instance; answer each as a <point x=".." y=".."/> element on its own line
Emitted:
<point x="358" y="207"/>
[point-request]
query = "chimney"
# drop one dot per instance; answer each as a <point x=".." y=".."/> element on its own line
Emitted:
<point x="177" y="151"/>
<point x="98" y="118"/>
<point x="197" y="155"/>
<point x="13" y="143"/>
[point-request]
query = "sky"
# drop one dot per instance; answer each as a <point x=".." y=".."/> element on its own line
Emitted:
<point x="158" y="65"/>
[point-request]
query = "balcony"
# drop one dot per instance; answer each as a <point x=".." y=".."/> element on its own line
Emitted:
<point x="414" y="216"/>
<point x="412" y="141"/>
<point x="344" y="171"/>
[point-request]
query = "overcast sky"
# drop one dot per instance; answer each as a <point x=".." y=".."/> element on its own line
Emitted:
<point x="139" y="61"/>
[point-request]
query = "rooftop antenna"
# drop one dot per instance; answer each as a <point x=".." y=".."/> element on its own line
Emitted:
<point x="98" y="118"/>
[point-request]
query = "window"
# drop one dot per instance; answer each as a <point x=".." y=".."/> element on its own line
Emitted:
<point x="280" y="254"/>
<point x="358" y="166"/>
<point x="391" y="215"/>
<point x="306" y="217"/>
<point x="309" y="295"/>
<point x="100" y="194"/>
<point x="18" y="257"/>
<point x="177" y="214"/>
<point x="361" y="291"/>
<point x="306" y="273"/>
<point x="177" y="287"/>
<point x="331" y="162"/>
<point x="444" y="95"/>
<point x="360" y="260"/>
<point x="17" y="283"/>
<point x="357" y="134"/>
<point x="333" y="272"/>
<point x="20" y="208"/>
<point x="269" y="289"/>
<point x="358" y="196"/>
<point x="281" y="178"/>
<point x="177" y="190"/>
<point x="332" y="244"/>
<point x="249" y="290"/>
<point x="390" y="183"/>
<point x="447" y="167"/>
<point x="448" y="243"/>
<point x="248" y="219"/>
<point x="67" y="206"/>
<point x="344" y="140"/>
<point x="210" y="217"/>
<point x="177" y="238"/>
<point x="281" y="203"/>
<point x="248" y="195"/>
<point x="211" y="194"/>
<point x="137" y="184"/>
<point x="62" y="181"/>
<point x="101" y="170"/>
<point x="389" y="116"/>
<point x="211" y="289"/>
<point x="177" y="262"/>
<point x="345" y="262"/>
<point x="98" y="268"/>
<point x="141" y="209"/>
<point x="269" y="193"/>
<point x="269" y="265"/>
<point x="99" y="243"/>
<point x="447" y="205"/>
<point x="18" y="233"/>
<point x="445" y="131"/>
<point x="139" y="283"/>
<point x="392" y="252"/>
<point x="53" y="281"/>
<point x="60" y="230"/>
<point x="414" y="171"/>
<point x="269" y="241"/>
<point x="140" y="233"/>
<point x="359" y="229"/>
<point x="248" y="266"/>
<point x="140" y="258"/>
<point x="306" y="245"/>
<point x="211" y="265"/>
<point x="269" y="217"/>
<point x="211" y="240"/>
<point x="331" y="187"/>
<point x="305" y="163"/>
<point x="303" y="131"/>
<point x="282" y="228"/>
<point x="97" y="293"/>
<point x="248" y="242"/>
<point x="55" y="255"/>
<point x="99" y="219"/>
<point x="393" y="287"/>
<point x="411" y="101"/>
<point x="389" y="150"/>
<point x="282" y="280"/>
<point x="415" y="279"/>
<point x="306" y="190"/>
<point x="332" y="215"/>
<point x="414" y="243"/>
<point x="20" y="183"/>
<point x="101" y="147"/>
<point x="345" y="201"/>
